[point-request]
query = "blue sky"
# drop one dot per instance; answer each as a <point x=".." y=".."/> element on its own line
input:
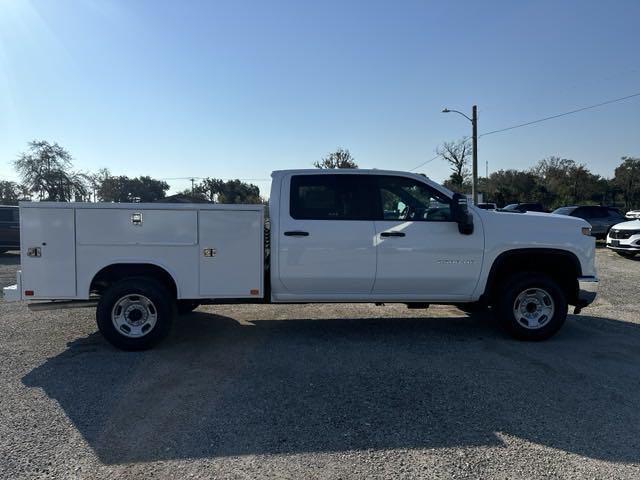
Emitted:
<point x="237" y="89"/>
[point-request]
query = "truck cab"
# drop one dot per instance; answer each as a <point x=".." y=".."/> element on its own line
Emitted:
<point x="333" y="236"/>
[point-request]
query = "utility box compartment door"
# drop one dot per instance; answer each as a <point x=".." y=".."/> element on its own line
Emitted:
<point x="231" y="253"/>
<point x="119" y="226"/>
<point x="49" y="235"/>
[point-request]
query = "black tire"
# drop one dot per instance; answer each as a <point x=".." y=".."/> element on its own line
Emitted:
<point x="162" y="309"/>
<point x="626" y="254"/>
<point x="187" y="306"/>
<point x="526" y="284"/>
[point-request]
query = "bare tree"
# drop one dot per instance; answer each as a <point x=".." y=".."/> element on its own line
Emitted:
<point x="457" y="154"/>
<point x="341" y="158"/>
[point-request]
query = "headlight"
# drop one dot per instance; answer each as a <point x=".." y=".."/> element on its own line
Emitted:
<point x="586" y="231"/>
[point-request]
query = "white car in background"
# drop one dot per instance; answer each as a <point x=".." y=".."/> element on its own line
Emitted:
<point x="633" y="214"/>
<point x="624" y="238"/>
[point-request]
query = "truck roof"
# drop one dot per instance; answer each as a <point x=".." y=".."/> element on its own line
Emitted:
<point x="277" y="174"/>
<point x="144" y="206"/>
<point x="328" y="171"/>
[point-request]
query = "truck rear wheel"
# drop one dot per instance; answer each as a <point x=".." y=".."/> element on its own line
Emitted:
<point x="531" y="306"/>
<point x="135" y="313"/>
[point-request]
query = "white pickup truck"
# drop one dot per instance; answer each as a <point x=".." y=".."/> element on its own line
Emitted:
<point x="335" y="236"/>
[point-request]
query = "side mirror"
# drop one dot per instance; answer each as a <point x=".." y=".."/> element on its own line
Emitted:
<point x="461" y="215"/>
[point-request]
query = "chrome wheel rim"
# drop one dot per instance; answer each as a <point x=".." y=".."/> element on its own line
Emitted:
<point x="533" y="308"/>
<point x="134" y="316"/>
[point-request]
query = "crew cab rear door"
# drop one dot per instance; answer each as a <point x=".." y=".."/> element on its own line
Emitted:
<point x="326" y="236"/>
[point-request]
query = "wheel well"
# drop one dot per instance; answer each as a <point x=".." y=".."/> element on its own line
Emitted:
<point x="118" y="271"/>
<point x="562" y="266"/>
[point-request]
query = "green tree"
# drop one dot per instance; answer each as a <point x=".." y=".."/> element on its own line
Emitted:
<point x="227" y="191"/>
<point x="10" y="193"/>
<point x="512" y="186"/>
<point x="46" y="171"/>
<point x="124" y="189"/>
<point x="627" y="181"/>
<point x="341" y="158"/>
<point x="569" y="182"/>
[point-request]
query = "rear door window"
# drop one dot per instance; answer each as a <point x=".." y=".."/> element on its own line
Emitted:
<point x="331" y="197"/>
<point x="8" y="215"/>
<point x="597" y="212"/>
<point x="581" y="212"/>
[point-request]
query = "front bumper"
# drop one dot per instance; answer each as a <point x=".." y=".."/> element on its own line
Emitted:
<point x="587" y="291"/>
<point x="631" y="244"/>
<point x="624" y="247"/>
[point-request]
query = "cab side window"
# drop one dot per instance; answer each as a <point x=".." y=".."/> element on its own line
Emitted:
<point x="331" y="197"/>
<point x="406" y="199"/>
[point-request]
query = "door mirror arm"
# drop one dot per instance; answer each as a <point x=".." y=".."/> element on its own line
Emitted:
<point x="461" y="215"/>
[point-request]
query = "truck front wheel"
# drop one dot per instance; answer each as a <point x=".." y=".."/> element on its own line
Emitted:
<point x="135" y="313"/>
<point x="531" y="306"/>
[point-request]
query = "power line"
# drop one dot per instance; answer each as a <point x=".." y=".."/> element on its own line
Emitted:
<point x="615" y="100"/>
<point x="424" y="163"/>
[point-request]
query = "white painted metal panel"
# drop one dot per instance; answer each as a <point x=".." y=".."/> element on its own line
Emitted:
<point x="53" y="274"/>
<point x="181" y="262"/>
<point x="157" y="227"/>
<point x="336" y="257"/>
<point x="433" y="260"/>
<point x="236" y="241"/>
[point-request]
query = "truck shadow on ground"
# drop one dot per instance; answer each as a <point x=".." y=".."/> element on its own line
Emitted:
<point x="218" y="388"/>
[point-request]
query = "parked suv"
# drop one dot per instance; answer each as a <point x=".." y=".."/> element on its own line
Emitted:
<point x="624" y="238"/>
<point x="600" y="218"/>
<point x="9" y="228"/>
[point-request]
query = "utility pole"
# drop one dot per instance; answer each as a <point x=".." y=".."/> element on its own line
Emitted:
<point x="192" y="187"/>
<point x="474" y="168"/>
<point x="474" y="137"/>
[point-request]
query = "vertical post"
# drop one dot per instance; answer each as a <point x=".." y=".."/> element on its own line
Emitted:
<point x="474" y="172"/>
<point x="192" y="187"/>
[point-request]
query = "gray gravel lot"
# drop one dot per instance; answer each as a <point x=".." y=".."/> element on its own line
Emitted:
<point x="331" y="391"/>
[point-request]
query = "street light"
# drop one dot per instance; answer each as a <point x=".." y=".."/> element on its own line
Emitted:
<point x="474" y="136"/>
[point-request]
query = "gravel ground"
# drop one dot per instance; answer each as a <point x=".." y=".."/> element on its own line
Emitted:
<point x="331" y="391"/>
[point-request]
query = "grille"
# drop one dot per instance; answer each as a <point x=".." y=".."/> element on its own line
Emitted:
<point x="623" y="234"/>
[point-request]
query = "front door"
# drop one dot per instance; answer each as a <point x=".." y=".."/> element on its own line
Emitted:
<point x="326" y="236"/>
<point x="421" y="253"/>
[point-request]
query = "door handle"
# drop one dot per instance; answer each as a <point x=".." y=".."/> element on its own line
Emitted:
<point x="296" y="233"/>
<point x="392" y="234"/>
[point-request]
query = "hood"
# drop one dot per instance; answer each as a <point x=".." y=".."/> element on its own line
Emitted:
<point x="630" y="225"/>
<point x="533" y="220"/>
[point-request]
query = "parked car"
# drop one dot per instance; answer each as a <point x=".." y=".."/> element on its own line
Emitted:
<point x="632" y="214"/>
<point x="600" y="218"/>
<point x="487" y="206"/>
<point x="624" y="238"/>
<point x="336" y="236"/>
<point x="9" y="228"/>
<point x="525" y="207"/>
